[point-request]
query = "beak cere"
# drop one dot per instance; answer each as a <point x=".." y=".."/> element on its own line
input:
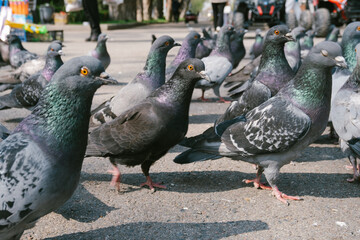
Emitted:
<point x="204" y="75"/>
<point x="107" y="79"/>
<point x="340" y="61"/>
<point x="289" y="37"/>
<point x="177" y="44"/>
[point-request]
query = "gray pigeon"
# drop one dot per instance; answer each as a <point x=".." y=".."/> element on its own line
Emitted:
<point x="237" y="48"/>
<point x="18" y="55"/>
<point x="205" y="47"/>
<point x="345" y="112"/>
<point x="186" y="51"/>
<point x="144" y="133"/>
<point x="218" y="64"/>
<point x="257" y="47"/>
<point x="152" y="77"/>
<point x="307" y="42"/>
<point x="40" y="162"/>
<point x="333" y="34"/>
<point x="293" y="50"/>
<point x="4" y="132"/>
<point x="100" y="52"/>
<point x="276" y="132"/>
<point x="27" y="94"/>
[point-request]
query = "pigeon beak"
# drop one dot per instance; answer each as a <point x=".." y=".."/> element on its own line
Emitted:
<point x="204" y="75"/>
<point x="177" y="44"/>
<point x="289" y="37"/>
<point x="340" y="61"/>
<point x="106" y="79"/>
<point x="60" y="53"/>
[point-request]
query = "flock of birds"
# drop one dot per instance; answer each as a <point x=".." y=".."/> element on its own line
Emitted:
<point x="281" y="104"/>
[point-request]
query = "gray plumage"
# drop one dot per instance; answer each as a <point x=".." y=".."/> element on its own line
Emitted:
<point x="218" y="64"/>
<point x="40" y="162"/>
<point x="333" y="34"/>
<point x="205" y="46"/>
<point x="100" y="52"/>
<point x="27" y="94"/>
<point x="186" y="51"/>
<point x="4" y="132"/>
<point x="237" y="48"/>
<point x="276" y="132"/>
<point x="18" y="55"/>
<point x="345" y="115"/>
<point x="152" y="77"/>
<point x="306" y="43"/>
<point x="145" y="132"/>
<point x="257" y="47"/>
<point x="293" y="49"/>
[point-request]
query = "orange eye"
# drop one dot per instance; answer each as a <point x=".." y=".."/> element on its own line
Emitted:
<point x="196" y="36"/>
<point x="358" y="28"/>
<point x="355" y="50"/>
<point x="84" y="71"/>
<point x="276" y="32"/>
<point x="51" y="49"/>
<point x="167" y="43"/>
<point x="190" y="67"/>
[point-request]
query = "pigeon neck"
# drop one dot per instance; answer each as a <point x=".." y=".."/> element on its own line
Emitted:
<point x="311" y="87"/>
<point x="52" y="64"/>
<point x="258" y="39"/>
<point x="100" y="47"/>
<point x="155" y="68"/>
<point x="354" y="79"/>
<point x="350" y="54"/>
<point x="223" y="47"/>
<point x="17" y="46"/>
<point x="186" y="51"/>
<point x="308" y="42"/>
<point x="273" y="57"/>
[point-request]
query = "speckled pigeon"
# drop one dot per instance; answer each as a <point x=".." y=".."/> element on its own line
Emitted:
<point x="345" y="116"/>
<point x="40" y="162"/>
<point x="218" y="64"/>
<point x="145" y="132"/>
<point x="100" y="52"/>
<point x="276" y="132"/>
<point x="186" y="51"/>
<point x="257" y="47"/>
<point x="18" y="55"/>
<point x="152" y="77"/>
<point x="27" y="94"/>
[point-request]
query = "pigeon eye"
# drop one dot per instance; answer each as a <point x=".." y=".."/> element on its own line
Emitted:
<point x="190" y="67"/>
<point x="84" y="71"/>
<point x="324" y="53"/>
<point x="51" y="49"/>
<point x="196" y="37"/>
<point x="276" y="32"/>
<point x="167" y="43"/>
<point x="358" y="28"/>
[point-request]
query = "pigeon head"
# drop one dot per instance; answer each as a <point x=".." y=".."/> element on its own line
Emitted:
<point x="350" y="38"/>
<point x="14" y="40"/>
<point x="279" y="34"/>
<point x="103" y="37"/>
<point x="238" y="35"/>
<point x="55" y="46"/>
<point x="298" y="32"/>
<point x="193" y="38"/>
<point x="192" y="69"/>
<point x="258" y="32"/>
<point x="225" y="30"/>
<point x="80" y="72"/>
<point x="326" y="54"/>
<point x="163" y="44"/>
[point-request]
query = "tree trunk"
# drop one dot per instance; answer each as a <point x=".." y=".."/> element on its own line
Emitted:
<point x="158" y="13"/>
<point x="147" y="9"/>
<point x="139" y="10"/>
<point x="184" y="7"/>
<point x="168" y="10"/>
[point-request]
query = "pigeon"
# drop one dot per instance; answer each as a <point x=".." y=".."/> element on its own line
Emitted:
<point x="257" y="47"/>
<point x="35" y="66"/>
<point x="187" y="50"/>
<point x="345" y="111"/>
<point x="100" y="52"/>
<point x="293" y="50"/>
<point x="205" y="46"/>
<point x="218" y="64"/>
<point x="27" y="94"/>
<point x="4" y="132"/>
<point x="333" y="34"/>
<point x="270" y="79"/>
<point x="274" y="70"/>
<point x="145" y="132"/>
<point x="40" y="162"/>
<point x="153" y="38"/>
<point x="152" y="77"/>
<point x="276" y="132"/>
<point x="237" y="48"/>
<point x="4" y="51"/>
<point x="18" y="55"/>
<point x="306" y="43"/>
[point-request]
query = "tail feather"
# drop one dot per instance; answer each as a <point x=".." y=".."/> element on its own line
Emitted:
<point x="354" y="144"/>
<point x="208" y="135"/>
<point x="193" y="155"/>
<point x="9" y="101"/>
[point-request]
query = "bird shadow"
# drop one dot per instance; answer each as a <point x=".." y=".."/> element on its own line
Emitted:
<point x="316" y="154"/>
<point x="84" y="207"/>
<point x="211" y="100"/>
<point x="161" y="230"/>
<point x="301" y="184"/>
<point x="14" y="120"/>
<point x="207" y="118"/>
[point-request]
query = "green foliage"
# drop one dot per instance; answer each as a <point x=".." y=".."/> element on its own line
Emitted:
<point x="196" y="5"/>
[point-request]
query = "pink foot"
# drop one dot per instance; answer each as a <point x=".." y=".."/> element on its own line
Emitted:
<point x="283" y="197"/>
<point x="223" y="100"/>
<point x="204" y="99"/>
<point x="115" y="181"/>
<point x="151" y="184"/>
<point x="257" y="183"/>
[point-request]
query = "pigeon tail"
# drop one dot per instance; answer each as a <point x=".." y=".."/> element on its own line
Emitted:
<point x="193" y="155"/>
<point x="354" y="144"/>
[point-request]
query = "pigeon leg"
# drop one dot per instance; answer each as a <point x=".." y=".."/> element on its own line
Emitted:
<point x="221" y="99"/>
<point x="145" y="168"/>
<point x="216" y="90"/>
<point x="355" y="166"/>
<point x="256" y="181"/>
<point x="115" y="181"/>
<point x="202" y="98"/>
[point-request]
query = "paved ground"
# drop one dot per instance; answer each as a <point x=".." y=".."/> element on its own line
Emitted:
<point x="205" y="200"/>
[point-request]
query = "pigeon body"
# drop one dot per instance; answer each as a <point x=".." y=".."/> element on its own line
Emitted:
<point x="18" y="55"/>
<point x="218" y="64"/>
<point x="257" y="47"/>
<point x="237" y="48"/>
<point x="205" y="46"/>
<point x="144" y="133"/>
<point x="152" y="77"/>
<point x="333" y="34"/>
<point x="345" y="112"/>
<point x="186" y="51"/>
<point x="40" y="162"/>
<point x="276" y="132"/>
<point x="27" y="94"/>
<point x="293" y="49"/>
<point x="100" y="52"/>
